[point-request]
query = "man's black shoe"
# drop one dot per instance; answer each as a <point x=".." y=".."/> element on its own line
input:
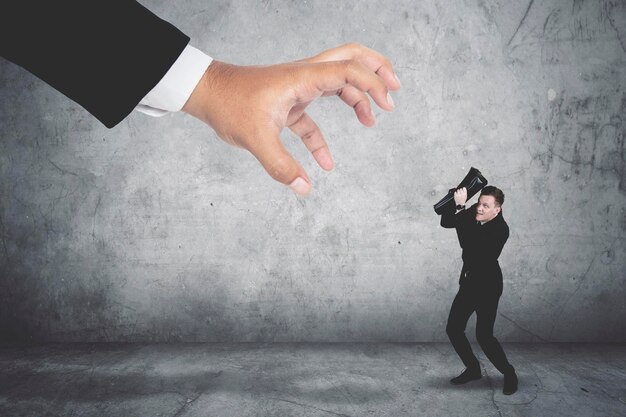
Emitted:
<point x="510" y="383"/>
<point x="467" y="376"/>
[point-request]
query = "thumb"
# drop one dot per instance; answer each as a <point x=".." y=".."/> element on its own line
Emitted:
<point x="279" y="163"/>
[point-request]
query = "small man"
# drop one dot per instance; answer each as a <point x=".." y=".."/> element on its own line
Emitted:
<point x="482" y="233"/>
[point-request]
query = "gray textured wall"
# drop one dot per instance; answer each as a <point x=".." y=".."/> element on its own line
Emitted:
<point x="157" y="231"/>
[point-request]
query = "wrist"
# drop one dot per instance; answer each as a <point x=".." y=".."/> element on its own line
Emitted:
<point x="204" y="101"/>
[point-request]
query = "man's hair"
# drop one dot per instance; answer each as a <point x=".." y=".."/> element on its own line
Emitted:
<point x="495" y="192"/>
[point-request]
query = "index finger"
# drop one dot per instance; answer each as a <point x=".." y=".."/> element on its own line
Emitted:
<point x="334" y="75"/>
<point x="373" y="60"/>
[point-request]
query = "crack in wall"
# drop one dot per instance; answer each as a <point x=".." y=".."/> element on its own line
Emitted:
<point x="521" y="22"/>
<point x="569" y="298"/>
<point x="95" y="214"/>
<point x="61" y="170"/>
<point x="617" y="32"/>
<point x="522" y="328"/>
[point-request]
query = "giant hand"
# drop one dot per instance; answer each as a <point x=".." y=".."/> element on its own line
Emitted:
<point x="248" y="107"/>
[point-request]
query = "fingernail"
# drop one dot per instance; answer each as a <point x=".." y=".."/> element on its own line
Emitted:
<point x="390" y="101"/>
<point x="397" y="79"/>
<point x="300" y="187"/>
<point x="325" y="160"/>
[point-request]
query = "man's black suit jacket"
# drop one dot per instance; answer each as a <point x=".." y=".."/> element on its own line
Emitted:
<point x="481" y="244"/>
<point x="105" y="55"/>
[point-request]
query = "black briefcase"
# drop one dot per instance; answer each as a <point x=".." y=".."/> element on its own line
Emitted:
<point x="473" y="181"/>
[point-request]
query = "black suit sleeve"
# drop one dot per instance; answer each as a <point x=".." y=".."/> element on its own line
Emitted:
<point x="449" y="218"/>
<point x="104" y="55"/>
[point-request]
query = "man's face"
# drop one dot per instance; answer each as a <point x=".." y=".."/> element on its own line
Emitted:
<point x="487" y="208"/>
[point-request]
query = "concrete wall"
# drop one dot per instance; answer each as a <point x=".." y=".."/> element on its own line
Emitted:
<point x="157" y="231"/>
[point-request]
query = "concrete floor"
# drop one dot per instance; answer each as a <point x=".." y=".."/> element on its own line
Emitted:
<point x="304" y="380"/>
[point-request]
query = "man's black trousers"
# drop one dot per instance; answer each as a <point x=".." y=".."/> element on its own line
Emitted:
<point x="483" y="300"/>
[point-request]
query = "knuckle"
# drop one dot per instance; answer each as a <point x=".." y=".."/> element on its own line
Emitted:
<point x="307" y="136"/>
<point x="354" y="46"/>
<point x="351" y="67"/>
<point x="278" y="168"/>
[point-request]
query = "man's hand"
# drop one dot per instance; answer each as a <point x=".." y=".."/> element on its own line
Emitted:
<point x="460" y="196"/>
<point x="248" y="107"/>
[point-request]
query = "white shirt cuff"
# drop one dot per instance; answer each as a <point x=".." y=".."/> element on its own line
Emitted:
<point x="175" y="88"/>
